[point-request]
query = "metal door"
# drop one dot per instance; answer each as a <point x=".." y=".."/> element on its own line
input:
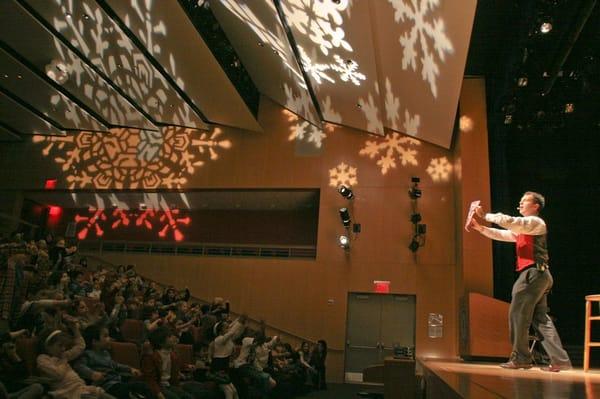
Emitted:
<point x="375" y="322"/>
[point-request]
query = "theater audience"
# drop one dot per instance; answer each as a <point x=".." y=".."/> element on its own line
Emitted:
<point x="53" y="363"/>
<point x="51" y="295"/>
<point x="97" y="367"/>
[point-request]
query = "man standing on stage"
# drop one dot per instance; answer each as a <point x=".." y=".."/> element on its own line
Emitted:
<point x="528" y="306"/>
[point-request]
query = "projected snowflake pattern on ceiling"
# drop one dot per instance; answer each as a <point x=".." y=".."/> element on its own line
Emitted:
<point x="439" y="169"/>
<point x="343" y="174"/>
<point x="158" y="217"/>
<point x="109" y="48"/>
<point x="322" y="22"/>
<point x="388" y="148"/>
<point x="133" y="158"/>
<point x="370" y="110"/>
<point x="421" y="29"/>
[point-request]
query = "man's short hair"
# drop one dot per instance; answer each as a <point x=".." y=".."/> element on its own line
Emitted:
<point x="537" y="198"/>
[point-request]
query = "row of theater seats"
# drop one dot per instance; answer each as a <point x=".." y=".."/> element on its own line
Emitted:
<point x="122" y="352"/>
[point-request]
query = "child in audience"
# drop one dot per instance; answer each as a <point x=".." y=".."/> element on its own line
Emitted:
<point x="53" y="363"/>
<point x="161" y="368"/>
<point x="96" y="365"/>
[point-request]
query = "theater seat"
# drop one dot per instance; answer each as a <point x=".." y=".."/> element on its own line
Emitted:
<point x="126" y="353"/>
<point x="132" y="330"/>
<point x="27" y="350"/>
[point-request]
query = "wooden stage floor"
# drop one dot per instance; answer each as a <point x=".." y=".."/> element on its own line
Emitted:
<point x="458" y="379"/>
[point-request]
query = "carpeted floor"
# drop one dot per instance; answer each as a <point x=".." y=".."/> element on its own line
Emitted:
<point x="342" y="391"/>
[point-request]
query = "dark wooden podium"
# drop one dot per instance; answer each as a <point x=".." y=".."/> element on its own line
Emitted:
<point x="483" y="327"/>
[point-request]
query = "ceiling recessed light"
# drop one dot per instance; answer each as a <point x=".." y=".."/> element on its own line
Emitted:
<point x="85" y="16"/>
<point x="261" y="44"/>
<point x="546" y="27"/>
<point x="358" y="106"/>
<point x="68" y="15"/>
<point x="19" y="76"/>
<point x="6" y="76"/>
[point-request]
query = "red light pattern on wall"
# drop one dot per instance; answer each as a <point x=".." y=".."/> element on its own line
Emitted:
<point x="162" y="222"/>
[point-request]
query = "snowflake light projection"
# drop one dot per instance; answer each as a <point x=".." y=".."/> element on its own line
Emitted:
<point x="416" y="38"/>
<point x="322" y="23"/>
<point x="388" y="148"/>
<point x="132" y="158"/>
<point x="162" y="220"/>
<point x="109" y="48"/>
<point x="392" y="110"/>
<point x="301" y="130"/>
<point x="371" y="111"/>
<point x="320" y="20"/>
<point x="348" y="70"/>
<point x="343" y="175"/>
<point x="439" y="169"/>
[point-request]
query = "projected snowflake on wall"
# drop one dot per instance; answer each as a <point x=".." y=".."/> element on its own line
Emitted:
<point x="421" y="29"/>
<point x="439" y="169"/>
<point x="132" y="158"/>
<point x="301" y="130"/>
<point x="343" y="175"/>
<point x="389" y="148"/>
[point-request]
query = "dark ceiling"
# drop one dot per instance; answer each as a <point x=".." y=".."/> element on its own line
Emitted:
<point x="531" y="76"/>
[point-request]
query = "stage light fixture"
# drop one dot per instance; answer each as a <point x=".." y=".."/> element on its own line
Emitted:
<point x="345" y="216"/>
<point x="414" y="245"/>
<point x="569" y="108"/>
<point x="415" y="192"/>
<point x="415" y="218"/>
<point x="344" y="241"/>
<point x="346" y="192"/>
<point x="508" y="119"/>
<point x="522" y="81"/>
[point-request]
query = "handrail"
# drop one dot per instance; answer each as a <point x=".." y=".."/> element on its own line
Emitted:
<point x="202" y="249"/>
<point x="279" y="330"/>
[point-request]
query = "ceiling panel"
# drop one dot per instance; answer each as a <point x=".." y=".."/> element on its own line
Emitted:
<point x="22" y="119"/>
<point x="162" y="26"/>
<point x="335" y="43"/>
<point x="422" y="54"/>
<point x="259" y="38"/>
<point x="7" y="135"/>
<point x="37" y="92"/>
<point x="101" y="41"/>
<point x="34" y="42"/>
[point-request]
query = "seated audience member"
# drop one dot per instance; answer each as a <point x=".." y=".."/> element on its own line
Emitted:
<point x="246" y="369"/>
<point x="304" y="360"/>
<point x="96" y="366"/>
<point x="86" y="316"/>
<point x="161" y="369"/>
<point x="53" y="363"/>
<point x="317" y="360"/>
<point x="13" y="371"/>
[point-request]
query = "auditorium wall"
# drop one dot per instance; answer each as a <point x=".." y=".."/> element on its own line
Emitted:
<point x="304" y="297"/>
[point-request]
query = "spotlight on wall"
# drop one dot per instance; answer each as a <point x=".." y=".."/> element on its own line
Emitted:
<point x="344" y="242"/>
<point x="415" y="192"/>
<point x="414" y="245"/>
<point x="346" y="192"/>
<point x="415" y="218"/>
<point x="345" y="216"/>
